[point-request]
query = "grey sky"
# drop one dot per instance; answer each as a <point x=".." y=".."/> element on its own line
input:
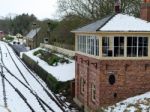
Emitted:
<point x="40" y="8"/>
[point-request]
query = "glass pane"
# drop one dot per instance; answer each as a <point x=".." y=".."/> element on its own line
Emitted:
<point x="97" y="47"/>
<point x="145" y="51"/>
<point x="118" y="46"/>
<point x="105" y="46"/>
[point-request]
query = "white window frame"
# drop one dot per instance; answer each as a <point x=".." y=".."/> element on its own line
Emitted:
<point x="88" y="44"/>
<point x="93" y="92"/>
<point x="137" y="46"/>
<point x="82" y="85"/>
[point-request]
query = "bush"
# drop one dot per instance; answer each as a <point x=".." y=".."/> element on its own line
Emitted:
<point x="53" y="59"/>
<point x="44" y="75"/>
<point x="52" y="83"/>
<point x="50" y="57"/>
<point x="37" y="52"/>
<point x="9" y="38"/>
<point x="63" y="60"/>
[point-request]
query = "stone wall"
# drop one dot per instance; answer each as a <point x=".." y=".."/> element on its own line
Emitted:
<point x="115" y="80"/>
<point x="59" y="49"/>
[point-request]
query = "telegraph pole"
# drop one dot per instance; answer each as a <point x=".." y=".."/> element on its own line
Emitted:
<point x="36" y="38"/>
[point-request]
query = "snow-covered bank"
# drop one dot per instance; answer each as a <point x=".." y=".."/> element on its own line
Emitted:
<point x="139" y="103"/>
<point x="62" y="72"/>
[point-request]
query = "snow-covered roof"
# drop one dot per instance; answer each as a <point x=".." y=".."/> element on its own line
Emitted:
<point x="94" y="26"/>
<point x="123" y="22"/>
<point x="32" y="33"/>
<point x="118" y="22"/>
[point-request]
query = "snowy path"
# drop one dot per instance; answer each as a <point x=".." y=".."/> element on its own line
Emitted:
<point x="26" y="84"/>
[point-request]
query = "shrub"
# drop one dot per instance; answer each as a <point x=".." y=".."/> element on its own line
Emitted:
<point x="53" y="59"/>
<point x="63" y="60"/>
<point x="44" y="75"/>
<point x="51" y="82"/>
<point x="50" y="57"/>
<point x="9" y="38"/>
<point x="37" y="52"/>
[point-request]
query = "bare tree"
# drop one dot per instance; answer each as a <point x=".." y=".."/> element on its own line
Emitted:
<point x="96" y="9"/>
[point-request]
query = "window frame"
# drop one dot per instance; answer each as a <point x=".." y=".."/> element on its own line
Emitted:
<point x="82" y="85"/>
<point x="88" y="44"/>
<point x="135" y="47"/>
<point x="93" y="92"/>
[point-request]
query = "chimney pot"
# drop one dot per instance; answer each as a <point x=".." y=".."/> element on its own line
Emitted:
<point x="117" y="6"/>
<point x="145" y="10"/>
<point x="146" y="1"/>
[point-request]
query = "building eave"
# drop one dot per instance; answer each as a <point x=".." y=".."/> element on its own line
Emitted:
<point x="114" y="32"/>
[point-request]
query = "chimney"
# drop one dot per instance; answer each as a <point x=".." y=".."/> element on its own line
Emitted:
<point x="145" y="10"/>
<point x="117" y="6"/>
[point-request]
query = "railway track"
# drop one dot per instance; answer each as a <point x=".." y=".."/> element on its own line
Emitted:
<point x="41" y="102"/>
<point x="51" y="95"/>
<point x="3" y="83"/>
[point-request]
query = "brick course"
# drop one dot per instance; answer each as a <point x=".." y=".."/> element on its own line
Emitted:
<point x="132" y="78"/>
<point x="145" y="11"/>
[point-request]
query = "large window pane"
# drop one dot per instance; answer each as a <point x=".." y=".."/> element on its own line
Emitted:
<point x="118" y="46"/>
<point x="137" y="46"/>
<point x="105" y="46"/>
<point x="97" y="47"/>
<point x="88" y="44"/>
<point x="129" y="46"/>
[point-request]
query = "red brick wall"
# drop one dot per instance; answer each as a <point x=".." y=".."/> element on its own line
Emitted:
<point x="132" y="78"/>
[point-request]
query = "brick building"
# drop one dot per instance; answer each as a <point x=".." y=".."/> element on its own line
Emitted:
<point x="1" y="35"/>
<point x="112" y="59"/>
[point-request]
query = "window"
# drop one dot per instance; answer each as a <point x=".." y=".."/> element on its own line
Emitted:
<point x="113" y="46"/>
<point x="137" y="46"/>
<point x="118" y="46"/>
<point x="88" y="44"/>
<point x="97" y="47"/>
<point x="105" y="46"/>
<point x="112" y="79"/>
<point x="82" y="45"/>
<point x="143" y="46"/>
<point x="81" y="85"/>
<point x="93" y="90"/>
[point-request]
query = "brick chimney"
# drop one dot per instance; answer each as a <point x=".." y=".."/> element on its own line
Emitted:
<point x="117" y="6"/>
<point x="145" y="10"/>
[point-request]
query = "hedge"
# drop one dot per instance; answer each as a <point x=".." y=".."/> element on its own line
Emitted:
<point x="51" y="81"/>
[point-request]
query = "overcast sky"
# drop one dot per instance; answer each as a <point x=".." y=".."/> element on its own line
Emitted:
<point x="40" y="8"/>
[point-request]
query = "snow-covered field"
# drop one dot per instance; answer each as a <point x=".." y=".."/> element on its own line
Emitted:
<point x="139" y="103"/>
<point x="62" y="72"/>
<point x="21" y="95"/>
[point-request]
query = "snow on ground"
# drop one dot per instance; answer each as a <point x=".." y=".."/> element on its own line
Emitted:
<point x="3" y="109"/>
<point x="14" y="101"/>
<point x="139" y="103"/>
<point x="62" y="72"/>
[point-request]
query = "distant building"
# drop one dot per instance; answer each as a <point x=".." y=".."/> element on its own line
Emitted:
<point x="112" y="59"/>
<point x="32" y="38"/>
<point x="1" y="35"/>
